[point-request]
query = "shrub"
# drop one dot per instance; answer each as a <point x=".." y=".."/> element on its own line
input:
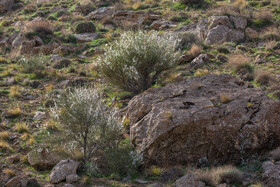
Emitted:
<point x="229" y="175"/>
<point x="135" y="62"/>
<point x="86" y="123"/>
<point x="241" y="65"/>
<point x="42" y="27"/>
<point x="240" y="4"/>
<point x="263" y="77"/>
<point x="128" y="160"/>
<point x="263" y="18"/>
<point x="85" y="27"/>
<point x="34" y="64"/>
<point x="4" y="135"/>
<point x="84" y="119"/>
<point x="21" y="127"/>
<point x="195" y="3"/>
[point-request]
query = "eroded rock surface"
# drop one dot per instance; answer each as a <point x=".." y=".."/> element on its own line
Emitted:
<point x="212" y="119"/>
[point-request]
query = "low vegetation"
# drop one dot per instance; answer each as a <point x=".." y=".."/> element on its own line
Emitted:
<point x="136" y="60"/>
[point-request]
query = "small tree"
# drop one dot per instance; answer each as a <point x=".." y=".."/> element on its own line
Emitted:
<point x="85" y="120"/>
<point x="135" y="62"/>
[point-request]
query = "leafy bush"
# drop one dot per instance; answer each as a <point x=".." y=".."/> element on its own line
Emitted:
<point x="135" y="62"/>
<point x="85" y="122"/>
<point x="34" y="64"/>
<point x="195" y="3"/>
<point x="84" y="119"/>
<point x="128" y="160"/>
<point x="85" y="27"/>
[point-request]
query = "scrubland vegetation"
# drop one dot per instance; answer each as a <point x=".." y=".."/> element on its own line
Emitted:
<point x="69" y="68"/>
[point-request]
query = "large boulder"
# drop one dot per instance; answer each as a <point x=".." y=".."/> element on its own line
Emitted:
<point x="271" y="173"/>
<point x="221" y="34"/>
<point x="42" y="159"/>
<point x="213" y="119"/>
<point x="62" y="170"/>
<point x="218" y="29"/>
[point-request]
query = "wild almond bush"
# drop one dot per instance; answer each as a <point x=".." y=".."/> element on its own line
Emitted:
<point x="137" y="59"/>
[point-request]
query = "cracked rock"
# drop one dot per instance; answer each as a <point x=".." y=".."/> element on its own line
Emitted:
<point x="186" y="121"/>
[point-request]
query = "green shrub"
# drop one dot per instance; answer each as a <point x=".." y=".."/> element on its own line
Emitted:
<point x="85" y="119"/>
<point x="85" y="27"/>
<point x="136" y="60"/>
<point x="128" y="160"/>
<point x="34" y="64"/>
<point x="86" y="123"/>
<point x="195" y="3"/>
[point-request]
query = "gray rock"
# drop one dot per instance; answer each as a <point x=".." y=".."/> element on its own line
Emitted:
<point x="240" y="23"/>
<point x="171" y="174"/>
<point x="259" y="60"/>
<point x="86" y="37"/>
<point x="203" y="117"/>
<point x="200" y="61"/>
<point x="100" y="13"/>
<point x="42" y="159"/>
<point x="72" y="178"/>
<point x="219" y="20"/>
<point x="6" y="5"/>
<point x="62" y="170"/>
<point x="221" y="34"/>
<point x="10" y="81"/>
<point x="68" y="185"/>
<point x="40" y="115"/>
<point x="271" y="173"/>
<point x="62" y="64"/>
<point x="189" y="180"/>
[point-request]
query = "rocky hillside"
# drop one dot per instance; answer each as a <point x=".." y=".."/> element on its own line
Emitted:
<point x="178" y="93"/>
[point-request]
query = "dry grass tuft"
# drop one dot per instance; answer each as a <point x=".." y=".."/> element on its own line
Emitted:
<point x="39" y="26"/>
<point x="240" y="4"/>
<point x="15" y="91"/>
<point x="225" y="98"/>
<point x="14" y="111"/>
<point x="241" y="64"/>
<point x="9" y="172"/>
<point x="4" y="145"/>
<point x="4" y="135"/>
<point x="21" y="127"/>
<point x="195" y="50"/>
<point x="223" y="174"/>
<point x="263" y="77"/>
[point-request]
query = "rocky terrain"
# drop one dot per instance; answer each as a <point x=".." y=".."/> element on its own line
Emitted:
<point x="178" y="93"/>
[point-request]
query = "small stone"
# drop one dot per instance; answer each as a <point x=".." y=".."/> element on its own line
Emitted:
<point x="140" y="181"/>
<point x="72" y="178"/>
<point x="68" y="185"/>
<point x="40" y="115"/>
<point x="10" y="81"/>
<point x="171" y="174"/>
<point x="189" y="180"/>
<point x="259" y="60"/>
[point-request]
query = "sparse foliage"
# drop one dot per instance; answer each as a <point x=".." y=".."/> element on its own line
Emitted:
<point x="34" y="64"/>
